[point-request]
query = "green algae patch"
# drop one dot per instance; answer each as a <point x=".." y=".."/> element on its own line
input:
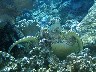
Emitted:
<point x="25" y="39"/>
<point x="70" y="43"/>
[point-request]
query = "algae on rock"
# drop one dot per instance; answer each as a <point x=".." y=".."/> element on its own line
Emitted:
<point x="63" y="43"/>
<point x="70" y="44"/>
<point x="25" y="39"/>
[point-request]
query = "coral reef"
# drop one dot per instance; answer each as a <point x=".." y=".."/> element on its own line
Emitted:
<point x="62" y="44"/>
<point x="81" y="62"/>
<point x="46" y="38"/>
<point x="42" y="59"/>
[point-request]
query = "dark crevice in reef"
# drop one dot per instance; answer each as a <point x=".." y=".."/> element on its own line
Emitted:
<point x="92" y="48"/>
<point x="8" y="35"/>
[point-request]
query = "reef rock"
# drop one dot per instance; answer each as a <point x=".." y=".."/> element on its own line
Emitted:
<point x="87" y="27"/>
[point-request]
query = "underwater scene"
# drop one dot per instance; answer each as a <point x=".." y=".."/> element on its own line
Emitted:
<point x="47" y="35"/>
